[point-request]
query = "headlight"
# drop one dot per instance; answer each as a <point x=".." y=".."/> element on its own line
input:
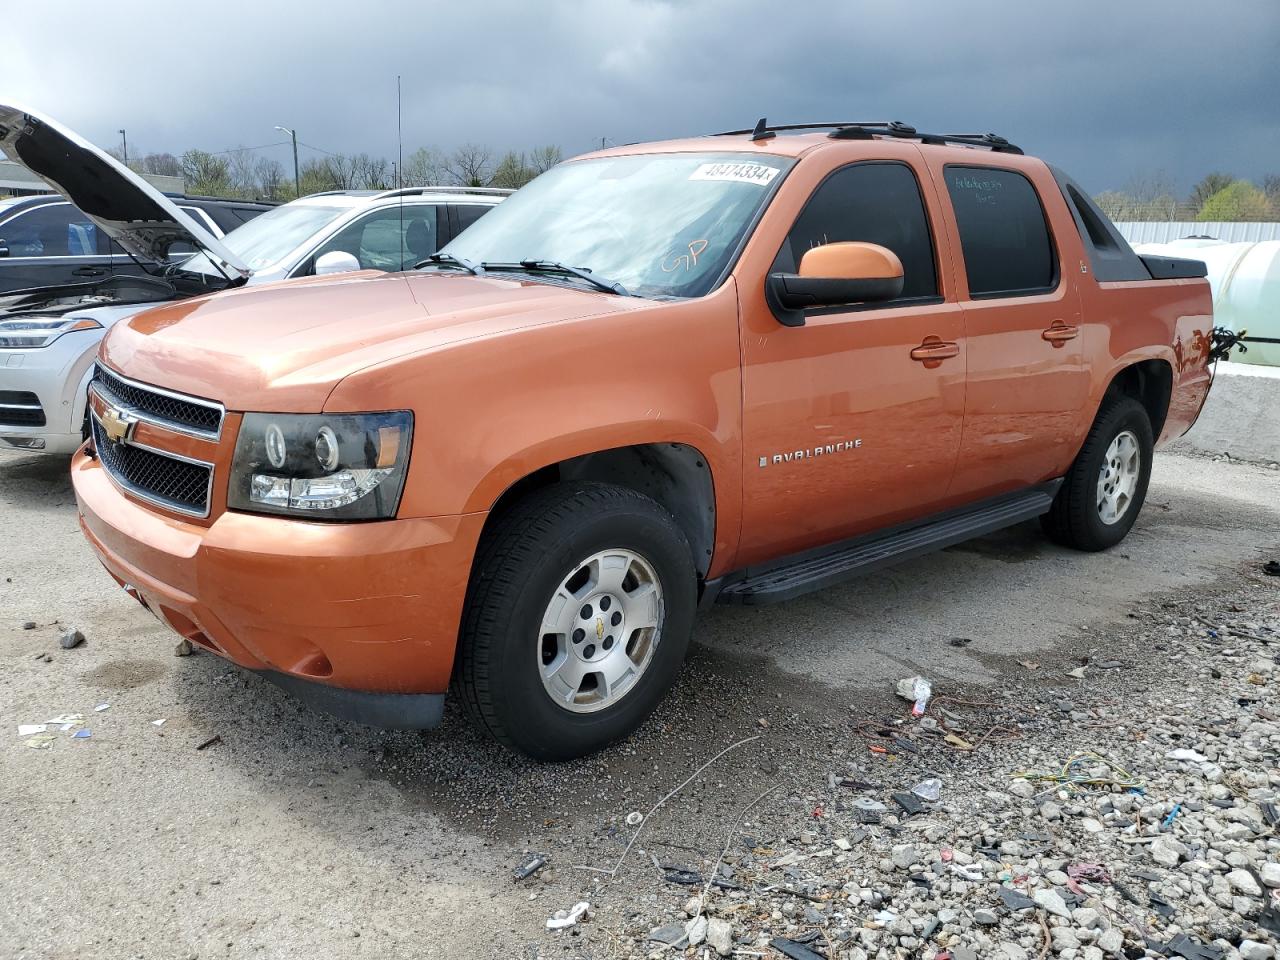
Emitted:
<point x="341" y="466"/>
<point x="39" y="332"/>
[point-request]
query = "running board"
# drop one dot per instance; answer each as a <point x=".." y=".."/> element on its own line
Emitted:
<point x="816" y="569"/>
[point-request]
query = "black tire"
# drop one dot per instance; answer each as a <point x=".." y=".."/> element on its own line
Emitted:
<point x="523" y="556"/>
<point x="1074" y="520"/>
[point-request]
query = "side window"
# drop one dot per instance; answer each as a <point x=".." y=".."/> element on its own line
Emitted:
<point x="1003" y="235"/>
<point x="873" y="203"/>
<point x="392" y="238"/>
<point x="469" y="213"/>
<point x="54" y="230"/>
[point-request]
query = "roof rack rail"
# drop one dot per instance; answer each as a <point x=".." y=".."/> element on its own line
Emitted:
<point x="867" y="129"/>
<point x="414" y="191"/>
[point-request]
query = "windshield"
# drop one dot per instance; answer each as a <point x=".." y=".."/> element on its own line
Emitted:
<point x="662" y="225"/>
<point x="269" y="238"/>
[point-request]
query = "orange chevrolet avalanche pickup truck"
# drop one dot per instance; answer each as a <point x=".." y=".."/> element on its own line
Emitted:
<point x="730" y="368"/>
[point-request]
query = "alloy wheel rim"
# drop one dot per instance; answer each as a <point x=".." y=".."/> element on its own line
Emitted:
<point x="600" y="630"/>
<point x="1118" y="477"/>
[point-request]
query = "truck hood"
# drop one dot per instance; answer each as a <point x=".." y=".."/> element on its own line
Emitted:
<point x="283" y="347"/>
<point x="133" y="213"/>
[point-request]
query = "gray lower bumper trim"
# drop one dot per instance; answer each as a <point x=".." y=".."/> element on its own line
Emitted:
<point x="392" y="711"/>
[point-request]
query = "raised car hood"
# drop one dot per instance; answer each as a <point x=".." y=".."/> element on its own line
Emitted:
<point x="283" y="347"/>
<point x="128" y="209"/>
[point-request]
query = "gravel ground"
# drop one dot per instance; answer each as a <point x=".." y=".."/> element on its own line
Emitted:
<point x="296" y="834"/>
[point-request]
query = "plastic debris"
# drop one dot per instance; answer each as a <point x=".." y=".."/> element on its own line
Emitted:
<point x="529" y="867"/>
<point x="918" y="690"/>
<point x="160" y="722"/>
<point x="635" y="818"/>
<point x="970" y="871"/>
<point x="216" y="738"/>
<point x="1167" y="823"/>
<point x="1077" y="673"/>
<point x="909" y="803"/>
<point x="82" y="734"/>
<point x="102" y="706"/>
<point x="1076" y="773"/>
<point x="1015" y="900"/>
<point x="794" y="950"/>
<point x="41" y="741"/>
<point x="27" y="729"/>
<point x="567" y="918"/>
<point x="958" y="742"/>
<point x="930" y="789"/>
<point x="63" y="719"/>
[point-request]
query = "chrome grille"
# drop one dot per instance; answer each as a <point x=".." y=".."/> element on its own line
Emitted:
<point x="179" y="484"/>
<point x="187" y="414"/>
<point x="21" y="408"/>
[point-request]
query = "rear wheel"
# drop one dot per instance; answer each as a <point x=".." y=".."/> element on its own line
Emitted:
<point x="578" y="617"/>
<point x="1105" y="488"/>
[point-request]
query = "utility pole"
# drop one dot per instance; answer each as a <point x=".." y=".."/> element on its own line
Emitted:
<point x="297" y="181"/>
<point x="124" y="147"/>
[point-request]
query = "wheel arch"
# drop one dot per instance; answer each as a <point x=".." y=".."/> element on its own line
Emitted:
<point x="1150" y="382"/>
<point x="677" y="475"/>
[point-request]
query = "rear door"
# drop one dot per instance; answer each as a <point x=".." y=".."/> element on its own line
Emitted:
<point x="844" y="431"/>
<point x="463" y="215"/>
<point x="49" y="244"/>
<point x="1027" y="380"/>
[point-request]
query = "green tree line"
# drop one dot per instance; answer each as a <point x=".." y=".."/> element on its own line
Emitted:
<point x="241" y="174"/>
<point x="1217" y="196"/>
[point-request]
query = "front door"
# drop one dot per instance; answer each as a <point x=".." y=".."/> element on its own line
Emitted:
<point x="844" y="430"/>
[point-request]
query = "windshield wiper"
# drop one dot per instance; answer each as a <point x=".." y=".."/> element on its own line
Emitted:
<point x="449" y="260"/>
<point x="554" y="266"/>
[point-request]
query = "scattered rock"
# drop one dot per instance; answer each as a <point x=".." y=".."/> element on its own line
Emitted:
<point x="720" y="936"/>
<point x="1242" y="882"/>
<point x="30" y="625"/>
<point x="69" y="638"/>
<point x="1254" y="950"/>
<point x="696" y="930"/>
<point x="183" y="648"/>
<point x="1052" y="901"/>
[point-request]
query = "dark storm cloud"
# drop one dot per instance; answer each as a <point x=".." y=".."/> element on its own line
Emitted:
<point x="1106" y="89"/>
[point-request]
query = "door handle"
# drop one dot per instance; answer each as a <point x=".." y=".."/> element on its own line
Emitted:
<point x="88" y="272"/>
<point x="1059" y="333"/>
<point x="934" y="350"/>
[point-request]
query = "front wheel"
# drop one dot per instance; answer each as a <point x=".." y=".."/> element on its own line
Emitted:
<point x="578" y="616"/>
<point x="1106" y="486"/>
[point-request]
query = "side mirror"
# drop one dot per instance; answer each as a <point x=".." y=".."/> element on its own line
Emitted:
<point x="835" y="274"/>
<point x="4" y="249"/>
<point x="336" y="261"/>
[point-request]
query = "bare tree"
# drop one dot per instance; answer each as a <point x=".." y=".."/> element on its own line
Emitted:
<point x="470" y="165"/>
<point x="206" y="173"/>
<point x="543" y="159"/>
<point x="315" y="175"/>
<point x="241" y="163"/>
<point x="513" y="171"/>
<point x="342" y="171"/>
<point x="369" y="173"/>
<point x="1154" y="196"/>
<point x="161" y="165"/>
<point x="269" y="175"/>
<point x="423" y="168"/>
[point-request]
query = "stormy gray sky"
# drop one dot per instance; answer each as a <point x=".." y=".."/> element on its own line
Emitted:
<point x="1109" y="89"/>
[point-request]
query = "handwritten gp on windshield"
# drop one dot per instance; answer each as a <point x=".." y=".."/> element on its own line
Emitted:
<point x="687" y="260"/>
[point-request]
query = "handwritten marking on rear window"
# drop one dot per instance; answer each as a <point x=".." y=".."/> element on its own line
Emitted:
<point x="984" y="191"/>
<point x="756" y="173"/>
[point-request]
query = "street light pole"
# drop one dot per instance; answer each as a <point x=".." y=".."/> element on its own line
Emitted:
<point x="124" y="147"/>
<point x="297" y="181"/>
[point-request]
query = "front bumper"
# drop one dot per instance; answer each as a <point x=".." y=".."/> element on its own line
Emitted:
<point x="359" y="618"/>
<point x="57" y="375"/>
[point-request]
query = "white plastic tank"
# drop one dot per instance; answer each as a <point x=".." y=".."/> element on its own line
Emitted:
<point x="1245" y="279"/>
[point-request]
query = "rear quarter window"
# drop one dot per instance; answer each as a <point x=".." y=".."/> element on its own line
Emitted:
<point x="1003" y="234"/>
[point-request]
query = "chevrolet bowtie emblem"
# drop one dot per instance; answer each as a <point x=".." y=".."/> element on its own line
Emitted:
<point x="599" y="628"/>
<point x="117" y="425"/>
